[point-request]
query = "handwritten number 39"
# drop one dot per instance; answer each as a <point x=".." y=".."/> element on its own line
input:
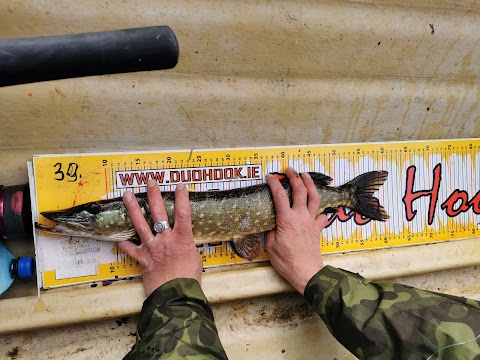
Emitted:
<point x="70" y="175"/>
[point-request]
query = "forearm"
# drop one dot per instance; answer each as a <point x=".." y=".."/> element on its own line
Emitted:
<point x="175" y="321"/>
<point x="393" y="321"/>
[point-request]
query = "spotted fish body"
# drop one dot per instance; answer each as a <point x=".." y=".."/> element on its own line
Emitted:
<point x="237" y="215"/>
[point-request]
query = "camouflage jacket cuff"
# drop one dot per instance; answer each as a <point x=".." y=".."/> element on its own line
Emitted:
<point x="325" y="283"/>
<point x="167" y="295"/>
<point x="177" y="322"/>
<point x="386" y="320"/>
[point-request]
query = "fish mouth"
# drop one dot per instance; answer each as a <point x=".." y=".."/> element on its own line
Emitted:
<point x="75" y="224"/>
<point x="65" y="223"/>
<point x="61" y="228"/>
<point x="81" y="224"/>
<point x="74" y="231"/>
<point x="58" y="216"/>
<point x="71" y="220"/>
<point x="58" y="229"/>
<point x="50" y="215"/>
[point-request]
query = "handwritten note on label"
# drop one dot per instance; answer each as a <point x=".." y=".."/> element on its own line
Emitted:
<point x="77" y="257"/>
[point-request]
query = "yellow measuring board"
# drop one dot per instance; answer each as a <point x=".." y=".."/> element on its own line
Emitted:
<point x="431" y="194"/>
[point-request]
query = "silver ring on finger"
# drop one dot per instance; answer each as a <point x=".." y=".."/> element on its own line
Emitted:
<point x="160" y="226"/>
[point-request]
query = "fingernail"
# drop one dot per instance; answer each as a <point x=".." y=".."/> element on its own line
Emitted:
<point x="151" y="183"/>
<point x="128" y="196"/>
<point x="180" y="187"/>
<point x="307" y="175"/>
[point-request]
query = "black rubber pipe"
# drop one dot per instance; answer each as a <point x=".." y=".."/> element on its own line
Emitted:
<point x="98" y="53"/>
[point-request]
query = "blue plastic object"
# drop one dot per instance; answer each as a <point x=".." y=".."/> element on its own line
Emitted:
<point x="25" y="267"/>
<point x="11" y="268"/>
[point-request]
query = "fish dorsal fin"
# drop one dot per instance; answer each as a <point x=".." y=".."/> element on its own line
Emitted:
<point x="320" y="179"/>
<point x="248" y="247"/>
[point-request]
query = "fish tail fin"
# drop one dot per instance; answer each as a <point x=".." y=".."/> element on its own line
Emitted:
<point x="364" y="202"/>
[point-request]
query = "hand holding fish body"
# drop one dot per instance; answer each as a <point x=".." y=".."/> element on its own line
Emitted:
<point x="237" y="215"/>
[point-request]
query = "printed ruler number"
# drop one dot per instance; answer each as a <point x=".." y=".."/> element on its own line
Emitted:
<point x="71" y="174"/>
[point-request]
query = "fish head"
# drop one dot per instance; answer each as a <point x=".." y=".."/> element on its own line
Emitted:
<point x="102" y="220"/>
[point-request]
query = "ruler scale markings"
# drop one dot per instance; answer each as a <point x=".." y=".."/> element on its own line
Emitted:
<point x="449" y="182"/>
<point x="382" y="189"/>
<point x="456" y="183"/>
<point x="112" y="181"/>
<point x="460" y="167"/>
<point x="459" y="185"/>
<point x="472" y="181"/>
<point x="465" y="186"/>
<point x="425" y="185"/>
<point x="106" y="182"/>
<point x="396" y="218"/>
<point x="452" y="187"/>
<point x="467" y="183"/>
<point x="427" y="160"/>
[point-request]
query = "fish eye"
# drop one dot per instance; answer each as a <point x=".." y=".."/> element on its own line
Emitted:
<point x="94" y="208"/>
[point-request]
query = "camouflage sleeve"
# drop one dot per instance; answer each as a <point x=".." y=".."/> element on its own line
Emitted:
<point x="177" y="322"/>
<point x="385" y="320"/>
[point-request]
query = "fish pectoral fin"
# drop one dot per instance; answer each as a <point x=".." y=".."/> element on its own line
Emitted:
<point x="248" y="247"/>
<point x="136" y="239"/>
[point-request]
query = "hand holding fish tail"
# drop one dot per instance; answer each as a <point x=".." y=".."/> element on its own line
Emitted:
<point x="170" y="254"/>
<point x="294" y="245"/>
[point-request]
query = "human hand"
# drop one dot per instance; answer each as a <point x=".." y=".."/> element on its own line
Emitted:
<point x="294" y="245"/>
<point x="168" y="255"/>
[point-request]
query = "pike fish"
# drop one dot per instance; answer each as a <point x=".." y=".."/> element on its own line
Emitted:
<point x="237" y="215"/>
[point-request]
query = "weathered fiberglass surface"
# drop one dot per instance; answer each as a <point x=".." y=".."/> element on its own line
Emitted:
<point x="249" y="74"/>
